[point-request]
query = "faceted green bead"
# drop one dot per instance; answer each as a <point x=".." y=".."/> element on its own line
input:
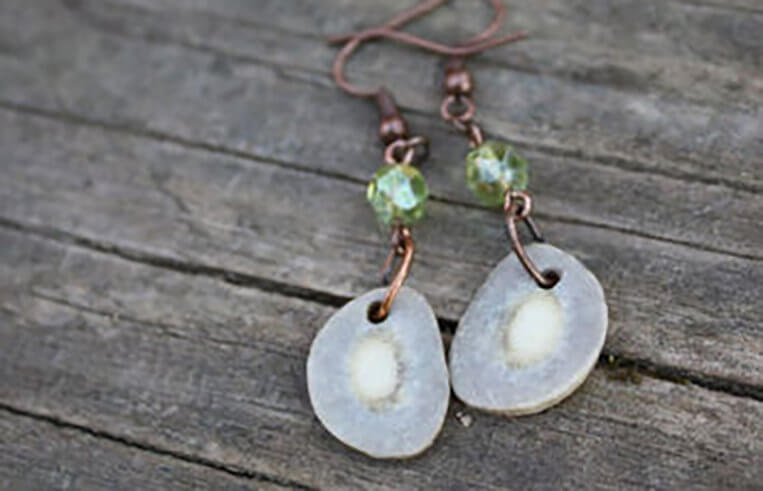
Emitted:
<point x="492" y="169"/>
<point x="398" y="194"/>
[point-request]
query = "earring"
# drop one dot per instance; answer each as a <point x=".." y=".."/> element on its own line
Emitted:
<point x="377" y="376"/>
<point x="535" y="329"/>
<point x="376" y="372"/>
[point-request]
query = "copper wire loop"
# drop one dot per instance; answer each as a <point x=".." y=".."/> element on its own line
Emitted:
<point x="517" y="207"/>
<point x="393" y="155"/>
<point x="474" y="133"/>
<point x="462" y="120"/>
<point x="401" y="246"/>
<point x="464" y="116"/>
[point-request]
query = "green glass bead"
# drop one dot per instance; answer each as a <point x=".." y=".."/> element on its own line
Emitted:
<point x="492" y="169"/>
<point x="398" y="194"/>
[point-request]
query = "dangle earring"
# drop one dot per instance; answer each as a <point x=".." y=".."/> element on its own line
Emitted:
<point x="376" y="372"/>
<point x="535" y="329"/>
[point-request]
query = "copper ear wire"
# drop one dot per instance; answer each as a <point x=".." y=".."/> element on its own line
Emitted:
<point x="393" y="130"/>
<point x="389" y="30"/>
<point x="427" y="6"/>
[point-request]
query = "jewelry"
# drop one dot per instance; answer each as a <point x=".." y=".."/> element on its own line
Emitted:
<point x="376" y="372"/>
<point x="535" y="329"/>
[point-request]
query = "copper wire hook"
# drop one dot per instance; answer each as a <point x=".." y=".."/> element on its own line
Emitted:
<point x="389" y="30"/>
<point x="402" y="246"/>
<point x="396" y="22"/>
<point x="517" y="207"/>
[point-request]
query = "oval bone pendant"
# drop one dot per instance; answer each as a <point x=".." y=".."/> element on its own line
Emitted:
<point x="380" y="388"/>
<point x="520" y="349"/>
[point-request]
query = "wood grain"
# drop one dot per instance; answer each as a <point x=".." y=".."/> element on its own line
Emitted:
<point x="194" y="366"/>
<point x="45" y="454"/>
<point x="200" y="209"/>
<point x="269" y="112"/>
<point x="181" y="208"/>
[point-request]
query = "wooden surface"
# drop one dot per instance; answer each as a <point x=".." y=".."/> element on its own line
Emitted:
<point x="177" y="220"/>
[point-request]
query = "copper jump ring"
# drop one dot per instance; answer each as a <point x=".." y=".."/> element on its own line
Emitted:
<point x="464" y="120"/>
<point x="517" y="207"/>
<point x="462" y="117"/>
<point x="408" y="147"/>
<point x="402" y="246"/>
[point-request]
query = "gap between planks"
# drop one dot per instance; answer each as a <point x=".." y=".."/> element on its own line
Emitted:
<point x="153" y="449"/>
<point x="619" y="365"/>
<point x="78" y="120"/>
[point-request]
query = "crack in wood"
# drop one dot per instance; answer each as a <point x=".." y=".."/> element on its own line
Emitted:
<point x="153" y="449"/>
<point x="220" y="149"/>
<point x="720" y="6"/>
<point x="155" y="324"/>
<point x="608" y="360"/>
<point x="616" y="362"/>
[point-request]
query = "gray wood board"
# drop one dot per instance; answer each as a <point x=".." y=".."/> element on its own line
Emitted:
<point x="44" y="453"/>
<point x="272" y="112"/>
<point x="194" y="366"/>
<point x="182" y="207"/>
<point x="197" y="209"/>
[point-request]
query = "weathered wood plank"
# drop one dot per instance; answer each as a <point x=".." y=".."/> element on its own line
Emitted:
<point x="469" y="14"/>
<point x="641" y="85"/>
<point x="39" y="454"/>
<point x="623" y="44"/>
<point x="164" y="202"/>
<point x="192" y="365"/>
<point x="208" y="107"/>
<point x="664" y="33"/>
<point x="163" y="167"/>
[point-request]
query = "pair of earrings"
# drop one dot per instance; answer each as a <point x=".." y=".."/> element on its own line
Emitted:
<point x="377" y="374"/>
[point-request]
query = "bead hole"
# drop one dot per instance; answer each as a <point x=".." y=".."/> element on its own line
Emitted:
<point x="552" y="276"/>
<point x="373" y="313"/>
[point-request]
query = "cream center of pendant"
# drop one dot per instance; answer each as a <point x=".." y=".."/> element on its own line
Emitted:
<point x="374" y="369"/>
<point x="533" y="331"/>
